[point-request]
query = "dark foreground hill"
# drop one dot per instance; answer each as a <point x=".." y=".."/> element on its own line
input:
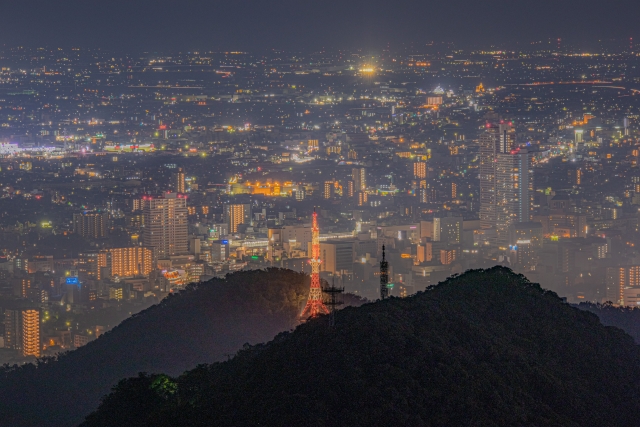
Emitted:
<point x="208" y="322"/>
<point x="486" y="348"/>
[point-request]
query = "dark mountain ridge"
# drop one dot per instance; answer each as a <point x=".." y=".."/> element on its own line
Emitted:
<point x="486" y="348"/>
<point x="208" y="322"/>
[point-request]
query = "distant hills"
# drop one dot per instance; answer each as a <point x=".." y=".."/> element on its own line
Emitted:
<point x="627" y="319"/>
<point x="209" y="322"/>
<point x="486" y="348"/>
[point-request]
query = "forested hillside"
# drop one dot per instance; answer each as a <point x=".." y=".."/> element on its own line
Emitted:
<point x="486" y="348"/>
<point x="208" y="322"/>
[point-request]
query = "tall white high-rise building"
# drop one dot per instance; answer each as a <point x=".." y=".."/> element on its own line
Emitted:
<point x="496" y="139"/>
<point x="514" y="191"/>
<point x="165" y="224"/>
<point x="506" y="181"/>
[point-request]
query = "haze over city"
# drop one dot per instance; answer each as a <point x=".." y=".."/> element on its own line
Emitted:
<point x="327" y="213"/>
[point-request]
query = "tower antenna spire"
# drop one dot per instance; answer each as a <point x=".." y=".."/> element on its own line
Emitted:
<point x="384" y="276"/>
<point x="333" y="302"/>
<point x="314" y="306"/>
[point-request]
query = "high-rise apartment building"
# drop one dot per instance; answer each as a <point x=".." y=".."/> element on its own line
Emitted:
<point x="420" y="170"/>
<point x="91" y="225"/>
<point x="31" y="343"/>
<point x="131" y="261"/>
<point x="178" y="181"/>
<point x="90" y="265"/>
<point x="165" y="224"/>
<point x="362" y="198"/>
<point x="299" y="193"/>
<point x="12" y="329"/>
<point x="359" y="176"/>
<point x="22" y="286"/>
<point x="423" y="194"/>
<point x="351" y="188"/>
<point x="22" y="331"/>
<point x="495" y="139"/>
<point x="235" y="215"/>
<point x="219" y="250"/>
<point x="328" y="190"/>
<point x="506" y="181"/>
<point x="448" y="256"/>
<point x="514" y="191"/>
<point x="620" y="278"/>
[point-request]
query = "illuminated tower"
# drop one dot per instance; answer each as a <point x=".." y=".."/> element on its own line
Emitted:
<point x="314" y="305"/>
<point x="384" y="277"/>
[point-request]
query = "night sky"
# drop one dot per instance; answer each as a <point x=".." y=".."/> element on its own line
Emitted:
<point x="258" y="24"/>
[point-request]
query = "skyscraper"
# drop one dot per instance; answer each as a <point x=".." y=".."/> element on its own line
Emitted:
<point x="165" y="224"/>
<point x="513" y="190"/>
<point x="236" y="214"/>
<point x="506" y="181"/>
<point x="494" y="140"/>
<point x="178" y="181"/>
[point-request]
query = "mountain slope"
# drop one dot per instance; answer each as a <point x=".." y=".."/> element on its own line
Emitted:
<point x="486" y="348"/>
<point x="208" y="322"/>
<point x="625" y="318"/>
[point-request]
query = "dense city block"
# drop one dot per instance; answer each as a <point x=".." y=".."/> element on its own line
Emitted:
<point x="126" y="176"/>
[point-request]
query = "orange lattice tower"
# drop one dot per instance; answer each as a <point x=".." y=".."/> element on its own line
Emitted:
<point x="314" y="305"/>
